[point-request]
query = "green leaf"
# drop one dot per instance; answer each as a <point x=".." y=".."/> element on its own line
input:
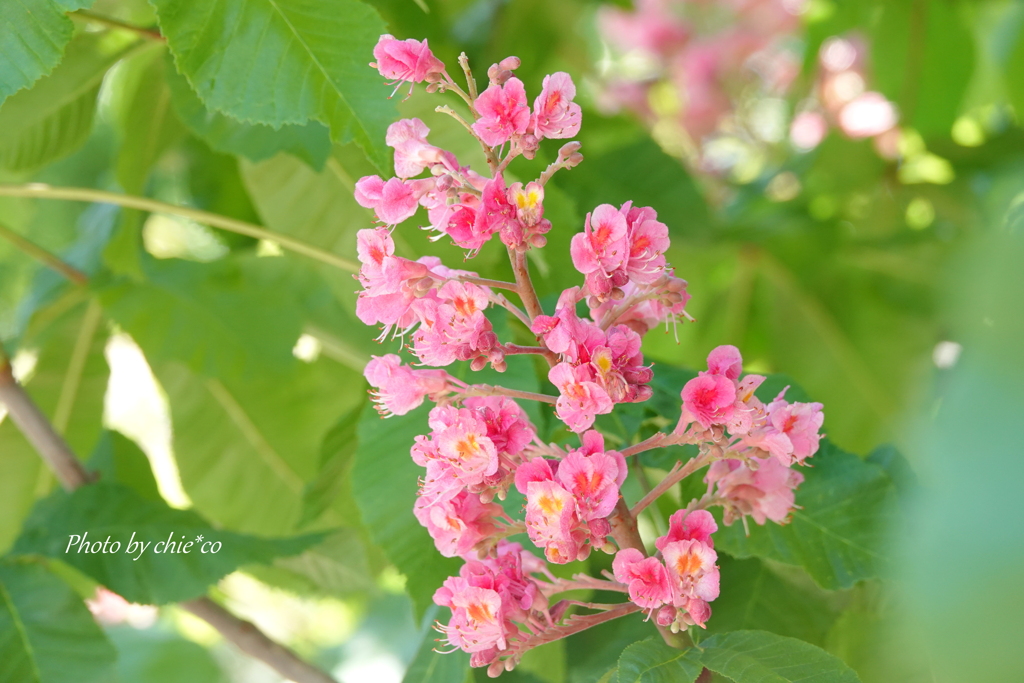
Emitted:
<point x="32" y="42"/>
<point x="839" y="534"/>
<point x="652" y="661"/>
<point x="761" y="599"/>
<point x="285" y="63"/>
<point x="430" y="666"/>
<point x="64" y="524"/>
<point x="1014" y="74"/>
<point x="148" y="122"/>
<point x="117" y="459"/>
<point x="315" y="207"/>
<point x="156" y="656"/>
<point x="759" y="657"/>
<point x="55" y="117"/>
<point x="336" y="567"/>
<point x="310" y="142"/>
<point x="212" y="316"/>
<point x="336" y="454"/>
<point x="924" y="55"/>
<point x="258" y="436"/>
<point x="385" y="481"/>
<point x="46" y="633"/>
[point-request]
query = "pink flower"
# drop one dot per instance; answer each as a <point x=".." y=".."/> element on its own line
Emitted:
<point x="694" y="575"/>
<point x="555" y="114"/>
<point x="503" y="112"/>
<point x="401" y="388"/>
<point x="648" y="240"/>
<point x="413" y="153"/>
<point x="462" y="444"/>
<point x="457" y="524"/>
<point x="393" y="201"/>
<point x="498" y="214"/>
<point x="725" y="360"/>
<point x="646" y="577"/>
<point x="601" y="249"/>
<point x="477" y="622"/>
<point x="454" y="327"/>
<point x="508" y="427"/>
<point x="593" y="476"/>
<point x="868" y="115"/>
<point x="687" y="526"/>
<point x="390" y="283"/>
<point x="551" y="520"/>
<point x="794" y="430"/>
<point x="580" y="399"/>
<point x="709" y="399"/>
<point x="764" y="489"/>
<point x="406" y="60"/>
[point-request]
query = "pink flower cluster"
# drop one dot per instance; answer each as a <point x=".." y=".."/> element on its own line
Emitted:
<point x="446" y="312"/>
<point x="719" y="406"/>
<point x="843" y="100"/>
<point x="481" y="443"/>
<point x="488" y="598"/>
<point x="677" y="588"/>
<point x="568" y="501"/>
<point x="471" y="456"/>
<point x="598" y="368"/>
<point x="707" y="53"/>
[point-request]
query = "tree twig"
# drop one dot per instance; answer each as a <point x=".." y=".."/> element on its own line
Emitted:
<point x="111" y="22"/>
<point x="72" y="474"/>
<point x="84" y="194"/>
<point x="248" y="638"/>
<point x="43" y="256"/>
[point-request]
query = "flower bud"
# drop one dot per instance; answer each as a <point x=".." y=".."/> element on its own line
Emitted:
<point x="568" y="149"/>
<point x="510" y="63"/>
<point x="529" y="144"/>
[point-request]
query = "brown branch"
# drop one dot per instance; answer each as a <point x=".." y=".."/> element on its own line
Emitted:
<point x="248" y="638"/>
<point x="39" y="432"/>
<point x="43" y="256"/>
<point x="72" y="474"/>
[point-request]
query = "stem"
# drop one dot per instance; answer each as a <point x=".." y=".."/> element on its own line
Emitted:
<point x="488" y="390"/>
<point x="72" y="474"/>
<point x="470" y="80"/>
<point x="83" y="194"/>
<point x="39" y="432"/>
<point x="514" y="349"/>
<point x="450" y="84"/>
<point x="676" y="475"/>
<point x="111" y="22"/>
<point x="43" y="256"/>
<point x="249" y="639"/>
<point x="511" y="308"/>
<point x="658" y="440"/>
<point x="493" y="284"/>
<point x="526" y="291"/>
<point x="492" y="160"/>
<point x="573" y="625"/>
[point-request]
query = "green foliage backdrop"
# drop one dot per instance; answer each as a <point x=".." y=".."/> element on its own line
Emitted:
<point x="265" y="113"/>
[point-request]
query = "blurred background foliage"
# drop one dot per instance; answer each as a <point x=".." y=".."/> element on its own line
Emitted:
<point x="886" y="286"/>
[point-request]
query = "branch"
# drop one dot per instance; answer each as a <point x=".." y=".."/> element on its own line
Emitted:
<point x="110" y="22"/>
<point x="72" y="474"/>
<point x="84" y="194"/>
<point x="675" y="475"/>
<point x="248" y="638"/>
<point x="43" y="256"/>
